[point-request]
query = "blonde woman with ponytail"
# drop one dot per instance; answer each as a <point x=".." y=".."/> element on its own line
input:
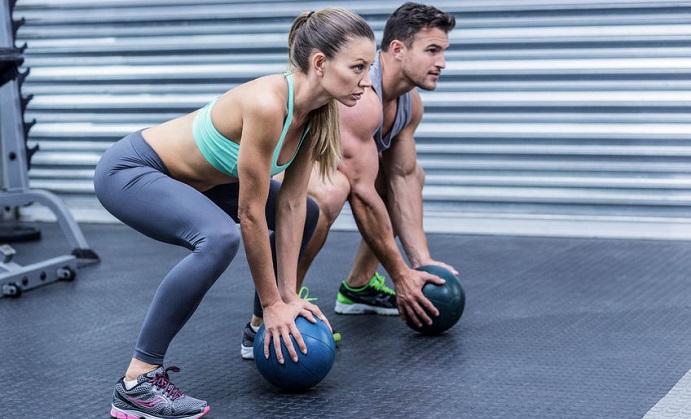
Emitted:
<point x="191" y="181"/>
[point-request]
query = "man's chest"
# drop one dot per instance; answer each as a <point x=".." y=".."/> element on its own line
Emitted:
<point x="389" y="111"/>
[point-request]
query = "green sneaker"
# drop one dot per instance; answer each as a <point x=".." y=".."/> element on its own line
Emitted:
<point x="373" y="298"/>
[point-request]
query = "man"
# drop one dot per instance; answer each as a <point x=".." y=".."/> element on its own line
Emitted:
<point x="380" y="177"/>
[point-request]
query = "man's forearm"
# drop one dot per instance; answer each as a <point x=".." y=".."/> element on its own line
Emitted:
<point x="375" y="227"/>
<point x="405" y="202"/>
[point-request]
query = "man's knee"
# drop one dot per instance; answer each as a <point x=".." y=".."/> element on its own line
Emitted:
<point x="330" y="196"/>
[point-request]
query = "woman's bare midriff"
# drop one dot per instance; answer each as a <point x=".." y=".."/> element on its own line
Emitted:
<point x="174" y="143"/>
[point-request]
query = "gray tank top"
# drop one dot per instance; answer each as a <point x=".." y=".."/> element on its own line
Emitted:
<point x="404" y="110"/>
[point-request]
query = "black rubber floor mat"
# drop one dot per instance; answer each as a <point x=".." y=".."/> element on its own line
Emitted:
<point x="553" y="328"/>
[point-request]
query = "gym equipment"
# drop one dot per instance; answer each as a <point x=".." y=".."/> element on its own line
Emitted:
<point x="448" y="298"/>
<point x="310" y="368"/>
<point x="15" y="161"/>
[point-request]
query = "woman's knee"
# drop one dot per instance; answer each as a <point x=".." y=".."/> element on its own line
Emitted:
<point x="219" y="243"/>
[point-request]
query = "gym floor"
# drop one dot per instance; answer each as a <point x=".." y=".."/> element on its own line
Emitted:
<point x="553" y="328"/>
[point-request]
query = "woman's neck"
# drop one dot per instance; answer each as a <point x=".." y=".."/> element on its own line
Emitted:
<point x="308" y="95"/>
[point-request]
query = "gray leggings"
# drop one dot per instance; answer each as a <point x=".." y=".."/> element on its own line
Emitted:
<point x="134" y="185"/>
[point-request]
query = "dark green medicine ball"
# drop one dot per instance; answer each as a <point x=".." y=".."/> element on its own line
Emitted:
<point x="448" y="298"/>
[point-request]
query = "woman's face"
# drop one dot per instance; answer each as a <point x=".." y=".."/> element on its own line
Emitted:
<point x="346" y="76"/>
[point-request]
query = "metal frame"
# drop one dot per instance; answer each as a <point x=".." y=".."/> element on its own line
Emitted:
<point x="14" y="278"/>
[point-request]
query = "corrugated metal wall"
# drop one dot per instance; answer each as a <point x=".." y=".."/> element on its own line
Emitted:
<point x="552" y="117"/>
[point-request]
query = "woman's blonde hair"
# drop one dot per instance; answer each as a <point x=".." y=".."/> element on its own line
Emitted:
<point x="326" y="31"/>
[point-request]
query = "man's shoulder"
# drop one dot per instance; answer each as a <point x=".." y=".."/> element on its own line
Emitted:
<point x="369" y="106"/>
<point x="365" y="116"/>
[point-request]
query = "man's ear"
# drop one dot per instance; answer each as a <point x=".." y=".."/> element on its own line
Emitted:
<point x="396" y="48"/>
<point x="319" y="63"/>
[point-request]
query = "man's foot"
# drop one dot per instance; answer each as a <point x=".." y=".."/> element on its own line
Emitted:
<point x="373" y="298"/>
<point x="155" y="397"/>
<point x="247" y="346"/>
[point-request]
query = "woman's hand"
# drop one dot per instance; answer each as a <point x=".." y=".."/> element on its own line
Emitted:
<point x="279" y="322"/>
<point x="308" y="310"/>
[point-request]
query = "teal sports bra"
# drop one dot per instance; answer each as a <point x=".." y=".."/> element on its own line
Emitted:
<point x="222" y="153"/>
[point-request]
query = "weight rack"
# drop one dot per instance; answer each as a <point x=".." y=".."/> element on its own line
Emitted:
<point x="15" y="160"/>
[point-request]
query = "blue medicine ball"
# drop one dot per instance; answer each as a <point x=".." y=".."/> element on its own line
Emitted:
<point x="310" y="369"/>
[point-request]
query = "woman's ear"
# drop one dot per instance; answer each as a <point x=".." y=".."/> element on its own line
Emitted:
<point x="319" y="63"/>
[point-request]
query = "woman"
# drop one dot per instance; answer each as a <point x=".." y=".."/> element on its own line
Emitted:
<point x="189" y="180"/>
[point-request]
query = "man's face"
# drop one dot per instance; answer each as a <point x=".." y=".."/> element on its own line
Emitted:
<point x="423" y="61"/>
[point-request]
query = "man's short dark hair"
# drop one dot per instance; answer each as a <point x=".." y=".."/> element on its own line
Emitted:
<point x="411" y="18"/>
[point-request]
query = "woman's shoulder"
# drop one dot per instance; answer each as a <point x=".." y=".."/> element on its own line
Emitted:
<point x="268" y="92"/>
<point x="269" y="84"/>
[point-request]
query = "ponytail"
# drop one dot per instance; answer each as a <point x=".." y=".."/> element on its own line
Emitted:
<point x="325" y="144"/>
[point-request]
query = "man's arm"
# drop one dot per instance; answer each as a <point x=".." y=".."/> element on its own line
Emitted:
<point x="361" y="166"/>
<point x="404" y="191"/>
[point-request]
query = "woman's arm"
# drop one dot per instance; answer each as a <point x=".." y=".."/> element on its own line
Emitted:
<point x="290" y="219"/>
<point x="260" y="131"/>
<point x="262" y="122"/>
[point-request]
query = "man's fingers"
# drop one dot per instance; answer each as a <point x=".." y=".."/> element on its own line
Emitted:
<point x="434" y="279"/>
<point x="422" y="315"/>
<point x="429" y="308"/>
<point x="410" y="313"/>
<point x="424" y="306"/>
<point x="419" y="312"/>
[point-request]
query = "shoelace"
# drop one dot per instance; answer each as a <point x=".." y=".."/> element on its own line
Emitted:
<point x="378" y="284"/>
<point x="306" y="292"/>
<point x="162" y="381"/>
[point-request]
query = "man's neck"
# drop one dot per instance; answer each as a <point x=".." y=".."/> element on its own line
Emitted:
<point x="394" y="83"/>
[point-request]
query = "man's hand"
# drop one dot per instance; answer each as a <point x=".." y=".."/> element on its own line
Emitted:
<point x="438" y="263"/>
<point x="413" y="306"/>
